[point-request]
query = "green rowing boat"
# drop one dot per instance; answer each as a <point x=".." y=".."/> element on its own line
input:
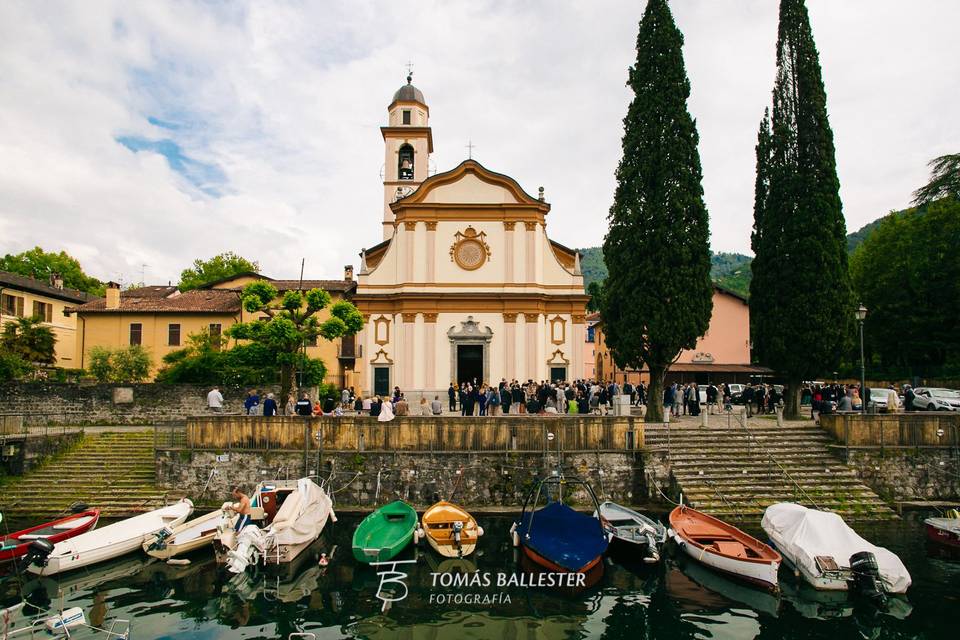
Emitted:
<point x="385" y="532"/>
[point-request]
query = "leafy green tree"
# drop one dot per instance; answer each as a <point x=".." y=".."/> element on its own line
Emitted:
<point x="290" y="323"/>
<point x="216" y="268"/>
<point x="944" y="180"/>
<point x="121" y="365"/>
<point x="39" y="264"/>
<point x="801" y="300"/>
<point x="658" y="297"/>
<point x="30" y="340"/>
<point x="908" y="276"/>
<point x="595" y="291"/>
<point x="12" y="366"/>
<point x="202" y="361"/>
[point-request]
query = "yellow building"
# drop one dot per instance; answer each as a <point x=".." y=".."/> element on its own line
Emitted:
<point x="161" y="318"/>
<point x="23" y="297"/>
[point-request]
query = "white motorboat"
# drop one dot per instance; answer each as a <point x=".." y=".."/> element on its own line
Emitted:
<point x="637" y="533"/>
<point x="298" y="521"/>
<point x="189" y="536"/>
<point x="107" y="542"/>
<point x="828" y="554"/>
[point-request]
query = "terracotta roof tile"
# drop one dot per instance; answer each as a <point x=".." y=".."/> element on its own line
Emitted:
<point x="197" y="301"/>
<point x="16" y="281"/>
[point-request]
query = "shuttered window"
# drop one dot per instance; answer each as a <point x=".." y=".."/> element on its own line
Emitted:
<point x="136" y="333"/>
<point x="43" y="310"/>
<point x="173" y="335"/>
<point x="12" y="305"/>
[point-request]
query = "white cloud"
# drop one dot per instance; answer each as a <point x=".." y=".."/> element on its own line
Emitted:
<point x="286" y="100"/>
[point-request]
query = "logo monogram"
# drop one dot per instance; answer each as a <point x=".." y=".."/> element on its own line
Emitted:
<point x="391" y="576"/>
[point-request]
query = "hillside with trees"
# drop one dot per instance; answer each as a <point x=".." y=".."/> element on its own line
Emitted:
<point x="728" y="270"/>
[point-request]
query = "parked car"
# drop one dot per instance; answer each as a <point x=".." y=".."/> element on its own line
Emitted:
<point x="879" y="397"/>
<point x="936" y="399"/>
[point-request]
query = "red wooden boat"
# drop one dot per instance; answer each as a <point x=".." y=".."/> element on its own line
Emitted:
<point x="16" y="544"/>
<point x="725" y="548"/>
<point x="945" y="531"/>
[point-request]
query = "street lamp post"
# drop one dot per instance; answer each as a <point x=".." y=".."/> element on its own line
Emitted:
<point x="861" y="314"/>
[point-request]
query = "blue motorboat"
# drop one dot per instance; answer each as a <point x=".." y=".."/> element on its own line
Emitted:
<point x="556" y="537"/>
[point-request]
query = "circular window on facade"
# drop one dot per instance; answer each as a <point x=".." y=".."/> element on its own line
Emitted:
<point x="470" y="251"/>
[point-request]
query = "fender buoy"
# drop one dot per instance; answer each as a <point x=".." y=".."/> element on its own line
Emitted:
<point x="479" y="531"/>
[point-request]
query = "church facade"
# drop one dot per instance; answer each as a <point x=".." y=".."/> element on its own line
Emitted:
<point x="466" y="285"/>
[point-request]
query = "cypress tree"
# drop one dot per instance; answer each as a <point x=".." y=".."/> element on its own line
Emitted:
<point x="801" y="301"/>
<point x="658" y="296"/>
<point x="761" y="193"/>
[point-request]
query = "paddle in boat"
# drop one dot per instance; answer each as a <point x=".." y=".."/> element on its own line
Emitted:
<point x="632" y="532"/>
<point x="17" y="544"/>
<point x="827" y="553"/>
<point x="724" y="548"/>
<point x="189" y="536"/>
<point x="945" y="531"/>
<point x="556" y="537"/>
<point x="450" y="530"/>
<point x="106" y="543"/>
<point x="385" y="532"/>
<point x="294" y="526"/>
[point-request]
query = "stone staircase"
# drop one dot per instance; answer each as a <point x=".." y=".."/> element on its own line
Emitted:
<point x="111" y="470"/>
<point x="737" y="471"/>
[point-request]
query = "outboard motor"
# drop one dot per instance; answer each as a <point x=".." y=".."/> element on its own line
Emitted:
<point x="457" y="529"/>
<point x="248" y="550"/>
<point x="866" y="577"/>
<point x="37" y="553"/>
<point x="653" y="554"/>
<point x="160" y="541"/>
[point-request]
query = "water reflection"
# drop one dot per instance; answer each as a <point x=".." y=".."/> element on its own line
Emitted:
<point x="677" y="599"/>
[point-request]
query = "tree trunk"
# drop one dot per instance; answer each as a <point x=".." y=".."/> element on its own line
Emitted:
<point x="655" y="394"/>
<point x="791" y="397"/>
<point x="287" y="384"/>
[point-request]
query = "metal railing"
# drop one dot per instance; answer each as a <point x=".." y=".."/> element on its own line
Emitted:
<point x="786" y="474"/>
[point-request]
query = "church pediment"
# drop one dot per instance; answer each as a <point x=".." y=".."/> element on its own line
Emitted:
<point x="470" y="183"/>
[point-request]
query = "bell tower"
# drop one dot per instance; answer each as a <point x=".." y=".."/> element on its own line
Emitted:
<point x="408" y="143"/>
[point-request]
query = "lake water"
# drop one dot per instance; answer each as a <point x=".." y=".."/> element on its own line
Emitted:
<point x="674" y="599"/>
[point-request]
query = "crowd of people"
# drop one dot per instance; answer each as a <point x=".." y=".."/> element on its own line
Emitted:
<point x="476" y="398"/>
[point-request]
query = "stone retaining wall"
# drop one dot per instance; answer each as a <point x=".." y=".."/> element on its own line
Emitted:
<point x="24" y="452"/>
<point x="364" y="479"/>
<point x="908" y="474"/>
<point x="88" y="404"/>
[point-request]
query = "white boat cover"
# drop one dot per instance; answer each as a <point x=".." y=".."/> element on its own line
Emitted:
<point x="802" y="534"/>
<point x="302" y="515"/>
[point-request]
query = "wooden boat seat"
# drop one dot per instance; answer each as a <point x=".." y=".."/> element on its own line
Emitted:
<point x="826" y="563"/>
<point x="702" y="530"/>
<point x="73" y="524"/>
<point x="732" y="549"/>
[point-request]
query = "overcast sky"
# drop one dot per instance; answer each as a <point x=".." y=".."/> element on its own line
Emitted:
<point x="152" y="133"/>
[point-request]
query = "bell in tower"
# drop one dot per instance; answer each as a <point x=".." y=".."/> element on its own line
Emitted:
<point x="408" y="143"/>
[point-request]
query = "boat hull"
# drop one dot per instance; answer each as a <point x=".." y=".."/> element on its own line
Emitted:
<point x="437" y="524"/>
<point x="760" y="574"/>
<point x="384" y="533"/>
<point x="112" y="541"/>
<point x="175" y="545"/>
<point x="942" y="533"/>
<point x="560" y="539"/>
<point x="725" y="548"/>
<point x="92" y="516"/>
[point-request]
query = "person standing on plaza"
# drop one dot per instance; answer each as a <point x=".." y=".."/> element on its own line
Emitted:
<point x="452" y="397"/>
<point x="748" y="396"/>
<point x="303" y="406"/>
<point x="269" y="406"/>
<point x="215" y="400"/>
